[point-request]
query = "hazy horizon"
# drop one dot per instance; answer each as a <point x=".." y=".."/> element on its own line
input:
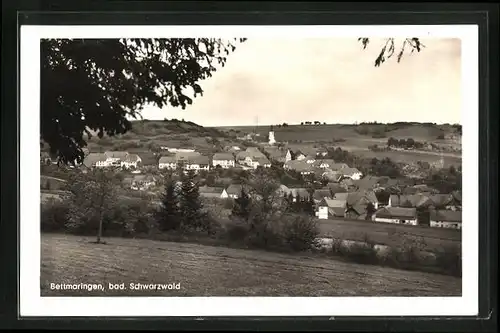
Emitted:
<point x="332" y="80"/>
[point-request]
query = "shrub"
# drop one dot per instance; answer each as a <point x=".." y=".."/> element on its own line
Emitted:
<point x="236" y="232"/>
<point x="449" y="258"/>
<point x="300" y="233"/>
<point x="53" y="215"/>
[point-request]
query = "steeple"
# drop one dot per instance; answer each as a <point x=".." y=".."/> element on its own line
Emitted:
<point x="272" y="140"/>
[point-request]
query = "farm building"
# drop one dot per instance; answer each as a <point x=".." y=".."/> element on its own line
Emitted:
<point x="224" y="160"/>
<point x="352" y="173"/>
<point x="96" y="160"/>
<point x="130" y="161"/>
<point x="212" y="192"/>
<point x="167" y="162"/>
<point x="320" y="194"/>
<point x="397" y="215"/>
<point x="331" y="208"/>
<point x="446" y="219"/>
<point x="142" y="182"/>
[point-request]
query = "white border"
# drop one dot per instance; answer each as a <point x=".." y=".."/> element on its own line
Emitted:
<point x="31" y="304"/>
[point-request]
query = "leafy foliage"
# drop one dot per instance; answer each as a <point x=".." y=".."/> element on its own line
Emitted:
<point x="389" y="48"/>
<point x="169" y="215"/>
<point x="97" y="84"/>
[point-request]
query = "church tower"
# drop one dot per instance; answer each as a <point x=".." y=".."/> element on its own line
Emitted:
<point x="272" y="140"/>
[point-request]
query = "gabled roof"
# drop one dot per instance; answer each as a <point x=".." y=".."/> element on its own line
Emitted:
<point x="186" y="156"/>
<point x="167" y="159"/>
<point x="201" y="160"/>
<point x="415" y="200"/>
<point x="209" y="189"/>
<point x="441" y="200"/>
<point x="446" y="216"/>
<point x="116" y="154"/>
<point x="349" y="171"/>
<point x="336" y="188"/>
<point x="310" y="158"/>
<point x="223" y="157"/>
<point x="367" y="182"/>
<point x="325" y="162"/>
<point x="300" y="192"/>
<point x="396" y="212"/>
<point x="242" y="155"/>
<point x="341" y="196"/>
<point x="321" y="193"/>
<point x="299" y="166"/>
<point x="457" y="195"/>
<point x="93" y="158"/>
<point x="332" y="175"/>
<point x="262" y="160"/>
<point x="132" y="158"/>
<point x="338" y="166"/>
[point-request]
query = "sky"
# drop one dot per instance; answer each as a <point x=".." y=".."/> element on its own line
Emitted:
<point x="333" y="80"/>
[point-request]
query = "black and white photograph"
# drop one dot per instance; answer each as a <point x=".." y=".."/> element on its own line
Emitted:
<point x="307" y="163"/>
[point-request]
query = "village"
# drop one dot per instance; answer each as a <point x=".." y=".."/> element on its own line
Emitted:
<point x="337" y="190"/>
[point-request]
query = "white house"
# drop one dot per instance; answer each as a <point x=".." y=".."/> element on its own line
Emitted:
<point x="130" y="161"/>
<point x="224" y="194"/>
<point x="329" y="208"/>
<point x="352" y="173"/>
<point x="309" y="159"/>
<point x="324" y="164"/>
<point x="115" y="157"/>
<point x="167" y="162"/>
<point x="398" y="215"/>
<point x="96" y="160"/>
<point x="197" y="163"/>
<point x="224" y="160"/>
<point x="446" y="219"/>
<point x="142" y="182"/>
<point x="288" y="155"/>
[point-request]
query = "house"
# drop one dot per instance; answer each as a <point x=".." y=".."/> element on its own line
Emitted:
<point x="142" y="182"/>
<point x="261" y="161"/>
<point x="167" y="162"/>
<point x="234" y="191"/>
<point x="397" y="215"/>
<point x="446" y="219"/>
<point x="211" y="192"/>
<point x="331" y="208"/>
<point x="299" y="194"/>
<point x="115" y="157"/>
<point x="366" y="183"/>
<point x="299" y="166"/>
<point x="319" y="195"/>
<point x="321" y="151"/>
<point x="358" y="203"/>
<point x="196" y="163"/>
<point x="337" y="166"/>
<point x="352" y="173"/>
<point x="283" y="190"/>
<point x="288" y="155"/>
<point x="332" y="176"/>
<point x="309" y="159"/>
<point x="96" y="160"/>
<point x="178" y="150"/>
<point x="45" y="158"/>
<point x="130" y="161"/>
<point x="443" y="201"/>
<point x="409" y="201"/>
<point x="324" y="164"/>
<point x="241" y="156"/>
<point x="335" y="188"/>
<point x="224" y="160"/>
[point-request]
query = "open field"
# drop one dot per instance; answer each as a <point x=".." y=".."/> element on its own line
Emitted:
<point x="215" y="271"/>
<point x="359" y="143"/>
<point x="387" y="233"/>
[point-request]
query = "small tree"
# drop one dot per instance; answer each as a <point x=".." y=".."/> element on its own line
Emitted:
<point x="168" y="215"/>
<point x="191" y="207"/>
<point x="241" y="207"/>
<point x="90" y="198"/>
<point x="370" y="209"/>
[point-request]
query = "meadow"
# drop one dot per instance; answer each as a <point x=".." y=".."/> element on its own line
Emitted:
<point x="216" y="271"/>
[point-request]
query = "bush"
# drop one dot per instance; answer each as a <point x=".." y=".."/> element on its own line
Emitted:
<point x="449" y="258"/>
<point x="53" y="215"/>
<point x="236" y="232"/>
<point x="300" y="233"/>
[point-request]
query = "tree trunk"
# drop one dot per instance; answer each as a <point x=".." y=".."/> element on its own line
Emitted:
<point x="99" y="232"/>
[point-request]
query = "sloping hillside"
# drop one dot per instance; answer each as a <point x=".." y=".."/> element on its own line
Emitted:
<point x="215" y="271"/>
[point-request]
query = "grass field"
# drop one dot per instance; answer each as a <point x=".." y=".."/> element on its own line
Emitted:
<point x="215" y="271"/>
<point x="388" y="234"/>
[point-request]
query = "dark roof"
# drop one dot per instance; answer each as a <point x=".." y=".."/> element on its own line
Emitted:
<point x="457" y="195"/>
<point x="367" y="182"/>
<point x="167" y="159"/>
<point x="336" y="188"/>
<point x="322" y="193"/>
<point x="235" y="189"/>
<point x="93" y="158"/>
<point x="446" y="216"/>
<point x="439" y="200"/>
<point x="396" y="212"/>
<point x="116" y="154"/>
<point x="209" y="189"/>
<point x="223" y="156"/>
<point x="349" y="171"/>
<point x="415" y="200"/>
